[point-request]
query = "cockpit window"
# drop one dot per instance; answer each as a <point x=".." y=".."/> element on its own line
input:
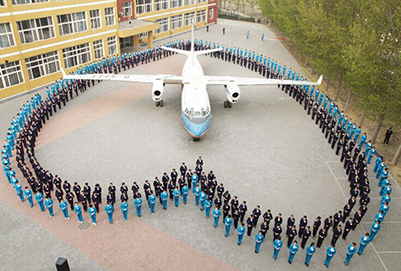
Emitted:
<point x="197" y="114"/>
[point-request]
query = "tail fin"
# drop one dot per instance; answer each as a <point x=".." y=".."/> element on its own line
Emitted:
<point x="192" y="39"/>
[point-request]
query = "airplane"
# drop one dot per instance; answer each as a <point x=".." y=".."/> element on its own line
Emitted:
<point x="195" y="104"/>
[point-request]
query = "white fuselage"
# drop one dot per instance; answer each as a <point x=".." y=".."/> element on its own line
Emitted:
<point x="195" y="104"/>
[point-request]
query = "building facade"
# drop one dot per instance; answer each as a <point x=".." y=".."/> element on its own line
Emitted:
<point x="172" y="17"/>
<point x="38" y="38"/>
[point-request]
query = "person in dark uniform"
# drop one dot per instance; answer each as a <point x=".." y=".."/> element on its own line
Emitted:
<point x="217" y="202"/>
<point x="389" y="132"/>
<point x="346" y="211"/>
<point x="316" y="226"/>
<point x="277" y="230"/>
<point x="235" y="215"/>
<point x="267" y="216"/>
<point x="336" y="234"/>
<point x="87" y="192"/>
<point x="165" y="180"/>
<point x="322" y="236"/>
<point x="305" y="236"/>
<point x="98" y="190"/>
<point x="242" y="210"/>
<point x="112" y="193"/>
<point x="70" y="198"/>
<point x="290" y="223"/>
<point x="337" y="218"/>
<point x="278" y="220"/>
<point x="264" y="227"/>
<point x="183" y="169"/>
<point x="328" y="222"/>
<point x="348" y="227"/>
<point x="302" y="225"/>
<point x="249" y="225"/>
<point x="291" y="233"/>
<point x="256" y="214"/>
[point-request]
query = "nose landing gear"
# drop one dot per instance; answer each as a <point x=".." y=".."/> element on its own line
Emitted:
<point x="227" y="104"/>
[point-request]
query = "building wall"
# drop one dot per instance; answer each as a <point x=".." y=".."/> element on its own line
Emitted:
<point x="19" y="52"/>
<point x="186" y="7"/>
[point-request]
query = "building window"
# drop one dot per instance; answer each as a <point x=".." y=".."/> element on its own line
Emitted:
<point x="23" y="2"/>
<point x="161" y="4"/>
<point x="112" y="44"/>
<point x="98" y="49"/>
<point x="189" y="18"/>
<point x="42" y="65"/>
<point x="6" y="36"/>
<point x="190" y="2"/>
<point x="201" y="1"/>
<point x="35" y="29"/>
<point x="176" y="21"/>
<point x="201" y="16"/>
<point x="76" y="55"/>
<point x="210" y="14"/>
<point x="143" y="35"/>
<point x="72" y="23"/>
<point x="95" y="18"/>
<point x="163" y="25"/>
<point x="127" y="9"/>
<point x="109" y="16"/>
<point x="2" y="3"/>
<point x="143" y="6"/>
<point x="10" y="74"/>
<point x="175" y="3"/>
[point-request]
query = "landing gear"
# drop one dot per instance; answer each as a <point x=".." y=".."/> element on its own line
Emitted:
<point x="160" y="103"/>
<point x="228" y="104"/>
<point x="196" y="139"/>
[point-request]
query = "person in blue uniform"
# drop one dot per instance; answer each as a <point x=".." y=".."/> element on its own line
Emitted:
<point x="247" y="35"/>
<point x="351" y="250"/>
<point x="78" y="211"/>
<point x="28" y="195"/>
<point x="241" y="232"/>
<point x="176" y="194"/>
<point x="330" y="252"/>
<point x="259" y="238"/>
<point x="124" y="209"/>
<point x="277" y="245"/>
<point x="228" y="221"/>
<point x="185" y="191"/>
<point x="203" y="197"/>
<point x="374" y="230"/>
<point x="152" y="200"/>
<point x="194" y="179"/>
<point x="197" y="195"/>
<point x="371" y="154"/>
<point x="164" y="198"/>
<point x="138" y="206"/>
<point x="363" y="140"/>
<point x="64" y="208"/>
<point x="92" y="213"/>
<point x="49" y="205"/>
<point x="39" y="199"/>
<point x="310" y="250"/>
<point x="208" y="205"/>
<point x="293" y="250"/>
<point x="20" y="193"/>
<point x="109" y="209"/>
<point x="216" y="216"/>
<point x="363" y="243"/>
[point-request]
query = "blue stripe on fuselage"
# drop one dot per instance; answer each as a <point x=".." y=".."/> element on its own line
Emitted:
<point x="196" y="130"/>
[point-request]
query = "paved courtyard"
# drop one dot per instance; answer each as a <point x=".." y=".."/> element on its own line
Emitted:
<point x="265" y="150"/>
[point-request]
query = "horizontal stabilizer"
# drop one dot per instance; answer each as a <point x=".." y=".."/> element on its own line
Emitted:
<point x="178" y="51"/>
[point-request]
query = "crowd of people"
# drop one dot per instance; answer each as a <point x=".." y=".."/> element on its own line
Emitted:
<point x="343" y="135"/>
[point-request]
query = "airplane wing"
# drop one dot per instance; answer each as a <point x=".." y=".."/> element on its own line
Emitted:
<point x="248" y="81"/>
<point x="150" y="79"/>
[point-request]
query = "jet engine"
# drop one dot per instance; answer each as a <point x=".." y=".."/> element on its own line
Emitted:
<point x="233" y="93"/>
<point x="157" y="91"/>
